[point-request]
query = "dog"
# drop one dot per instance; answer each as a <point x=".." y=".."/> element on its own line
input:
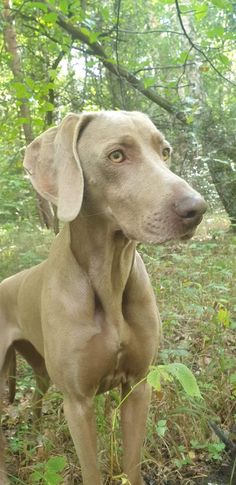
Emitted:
<point x="86" y="317"/>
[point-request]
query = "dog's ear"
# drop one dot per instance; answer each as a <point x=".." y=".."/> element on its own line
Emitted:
<point x="53" y="165"/>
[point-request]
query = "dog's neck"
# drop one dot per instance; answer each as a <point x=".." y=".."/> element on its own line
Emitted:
<point x="105" y="255"/>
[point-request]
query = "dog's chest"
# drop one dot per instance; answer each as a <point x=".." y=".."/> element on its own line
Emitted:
<point x="123" y="352"/>
<point x="117" y="373"/>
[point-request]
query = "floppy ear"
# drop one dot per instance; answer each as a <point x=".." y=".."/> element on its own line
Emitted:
<point x="53" y="166"/>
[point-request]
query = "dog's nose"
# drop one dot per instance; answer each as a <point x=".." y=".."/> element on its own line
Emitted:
<point x="191" y="209"/>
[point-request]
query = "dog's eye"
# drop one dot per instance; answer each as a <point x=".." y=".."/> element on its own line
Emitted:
<point x="166" y="153"/>
<point x="117" y="156"/>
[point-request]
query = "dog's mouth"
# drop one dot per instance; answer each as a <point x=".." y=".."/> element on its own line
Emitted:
<point x="187" y="236"/>
<point x="160" y="227"/>
<point x="153" y="237"/>
<point x="160" y="233"/>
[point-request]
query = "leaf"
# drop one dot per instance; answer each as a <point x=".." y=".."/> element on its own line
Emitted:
<point x="232" y="378"/>
<point x="190" y="119"/>
<point x="154" y="379"/>
<point x="148" y="81"/>
<point x="167" y="2"/>
<point x="183" y="57"/>
<point x="223" y="317"/>
<point x="92" y="36"/>
<point x="186" y="378"/>
<point x="21" y="120"/>
<point x="46" y="107"/>
<point x="52" y="478"/>
<point x="161" y="427"/>
<point x="36" y="476"/>
<point x="216" y="32"/>
<point x="20" y="89"/>
<point x="50" y="18"/>
<point x="63" y="4"/>
<point x="104" y="11"/>
<point x="177" y="370"/>
<point x="156" y="374"/>
<point x="56" y="463"/>
<point x="223" y="4"/>
<point x="224" y="59"/>
<point x="39" y="5"/>
<point x="200" y="14"/>
<point x="124" y="481"/>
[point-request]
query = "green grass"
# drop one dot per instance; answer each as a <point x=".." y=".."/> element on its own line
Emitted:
<point x="22" y="246"/>
<point x="194" y="287"/>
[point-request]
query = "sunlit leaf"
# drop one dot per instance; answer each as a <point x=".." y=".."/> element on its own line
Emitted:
<point x="223" y="4"/>
<point x="56" y="463"/>
<point x="174" y="370"/>
<point x="185" y="377"/>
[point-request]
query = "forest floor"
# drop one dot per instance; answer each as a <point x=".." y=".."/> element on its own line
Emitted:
<point x="194" y="285"/>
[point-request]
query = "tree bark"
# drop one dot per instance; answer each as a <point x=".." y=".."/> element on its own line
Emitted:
<point x="222" y="169"/>
<point x="44" y="208"/>
<point x="224" y="179"/>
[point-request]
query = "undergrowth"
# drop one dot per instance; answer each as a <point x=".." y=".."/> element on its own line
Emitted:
<point x="194" y="287"/>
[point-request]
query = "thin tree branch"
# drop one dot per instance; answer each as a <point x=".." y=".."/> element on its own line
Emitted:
<point x="175" y="88"/>
<point x="36" y="29"/>
<point x="117" y="53"/>
<point x="184" y="67"/>
<point x="160" y="68"/>
<point x="51" y="92"/>
<point x="196" y="47"/>
<point x="154" y="31"/>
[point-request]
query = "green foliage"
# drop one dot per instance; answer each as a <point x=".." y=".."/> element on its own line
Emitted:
<point x="214" y="449"/>
<point x="176" y="370"/>
<point x="49" y="473"/>
<point x="22" y="247"/>
<point x="190" y="298"/>
<point x="161" y="427"/>
<point x="193" y="284"/>
<point x="59" y="75"/>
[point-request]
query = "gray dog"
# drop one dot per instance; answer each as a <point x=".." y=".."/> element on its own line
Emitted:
<point x="89" y="311"/>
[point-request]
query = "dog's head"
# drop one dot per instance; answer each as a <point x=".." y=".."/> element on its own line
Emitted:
<point x="116" y="164"/>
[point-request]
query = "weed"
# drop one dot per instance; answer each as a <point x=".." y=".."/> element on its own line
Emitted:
<point x="49" y="473"/>
<point x="195" y="291"/>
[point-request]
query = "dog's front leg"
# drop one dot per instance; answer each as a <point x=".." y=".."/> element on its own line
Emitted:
<point x="81" y="420"/>
<point x="133" y="422"/>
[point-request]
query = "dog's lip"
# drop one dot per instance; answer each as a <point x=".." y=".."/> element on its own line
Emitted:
<point x="192" y="224"/>
<point x="154" y="238"/>
<point x="187" y="236"/>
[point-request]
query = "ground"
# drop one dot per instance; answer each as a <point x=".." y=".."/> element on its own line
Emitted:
<point x="194" y="287"/>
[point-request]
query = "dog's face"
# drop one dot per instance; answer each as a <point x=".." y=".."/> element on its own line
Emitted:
<point x="125" y="161"/>
<point x="115" y="163"/>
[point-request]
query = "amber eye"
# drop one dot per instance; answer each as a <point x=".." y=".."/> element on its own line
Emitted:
<point x="166" y="153"/>
<point x="117" y="156"/>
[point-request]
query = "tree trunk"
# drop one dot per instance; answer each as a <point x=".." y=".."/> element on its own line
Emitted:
<point x="224" y="179"/>
<point x="44" y="208"/>
<point x="222" y="168"/>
